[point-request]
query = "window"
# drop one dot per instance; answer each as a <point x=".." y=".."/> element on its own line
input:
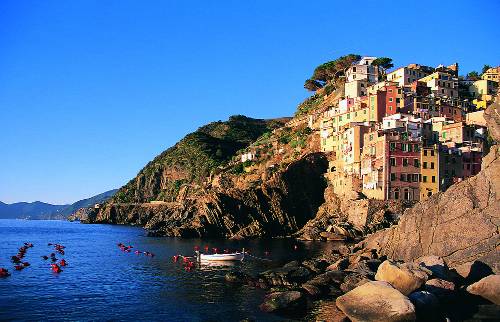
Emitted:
<point x="429" y="193"/>
<point x="425" y="153"/>
<point x="354" y="69"/>
<point x="425" y="165"/>
<point x="424" y="178"/>
<point x="432" y="153"/>
<point x="433" y="179"/>
<point x="393" y="177"/>
<point x="406" y="194"/>
<point x="415" y="177"/>
<point x="405" y="162"/>
<point x="404" y="147"/>
<point x="393" y="162"/>
<point x="432" y="165"/>
<point x="416" y="163"/>
<point x="392" y="146"/>
<point x="402" y="177"/>
<point x="390" y="99"/>
<point x="396" y="195"/>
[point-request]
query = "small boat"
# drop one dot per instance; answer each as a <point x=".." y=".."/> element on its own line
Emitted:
<point x="238" y="256"/>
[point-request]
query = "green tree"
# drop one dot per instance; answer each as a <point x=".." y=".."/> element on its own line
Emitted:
<point x="485" y="68"/>
<point x="384" y="63"/>
<point x="330" y="71"/>
<point x="473" y="75"/>
<point x="312" y="85"/>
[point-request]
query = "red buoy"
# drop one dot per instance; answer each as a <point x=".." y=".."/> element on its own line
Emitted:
<point x="63" y="262"/>
<point x="19" y="267"/>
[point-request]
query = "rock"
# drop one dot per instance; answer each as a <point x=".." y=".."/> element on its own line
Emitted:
<point x="376" y="301"/>
<point x="329" y="236"/>
<point x="290" y="275"/>
<point x="426" y="305"/>
<point x="284" y="302"/>
<point x="324" y="283"/>
<point x="326" y="310"/>
<point x="440" y="288"/>
<point x="473" y="271"/>
<point x="236" y="277"/>
<point x="352" y="281"/>
<point x="317" y="266"/>
<point x="406" y="277"/>
<point x="339" y="265"/>
<point x="370" y="265"/>
<point x="436" y="265"/>
<point x="488" y="288"/>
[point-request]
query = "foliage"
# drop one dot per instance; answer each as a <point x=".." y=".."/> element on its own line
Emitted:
<point x="329" y="88"/>
<point x="473" y="75"/>
<point x="312" y="85"/>
<point x="194" y="158"/>
<point x="485" y="68"/>
<point x="309" y="104"/>
<point x="384" y="62"/>
<point x="330" y="71"/>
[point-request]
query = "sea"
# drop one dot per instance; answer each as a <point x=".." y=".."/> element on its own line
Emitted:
<point x="102" y="282"/>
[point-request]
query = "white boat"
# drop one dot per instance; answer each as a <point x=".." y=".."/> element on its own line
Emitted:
<point x="238" y="256"/>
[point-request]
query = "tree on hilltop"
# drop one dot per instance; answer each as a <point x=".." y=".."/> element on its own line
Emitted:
<point x="384" y="63"/>
<point x="485" y="68"/>
<point x="473" y="75"/>
<point x="330" y="71"/>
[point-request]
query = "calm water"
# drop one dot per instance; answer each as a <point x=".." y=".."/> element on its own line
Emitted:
<point x="102" y="282"/>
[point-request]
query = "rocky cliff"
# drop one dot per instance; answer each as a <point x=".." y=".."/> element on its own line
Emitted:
<point x="461" y="225"/>
<point x="276" y="207"/>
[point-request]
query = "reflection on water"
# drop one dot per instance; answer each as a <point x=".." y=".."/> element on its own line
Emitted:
<point x="103" y="282"/>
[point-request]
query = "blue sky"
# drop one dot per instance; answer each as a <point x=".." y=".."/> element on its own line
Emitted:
<point x="90" y="91"/>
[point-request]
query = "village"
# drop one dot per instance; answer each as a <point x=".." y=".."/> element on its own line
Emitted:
<point x="405" y="134"/>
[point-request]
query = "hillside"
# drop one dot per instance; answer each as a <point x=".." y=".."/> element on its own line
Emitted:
<point x="194" y="158"/>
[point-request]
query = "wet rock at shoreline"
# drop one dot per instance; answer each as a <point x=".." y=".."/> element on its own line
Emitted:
<point x="376" y="301"/>
<point x="289" y="302"/>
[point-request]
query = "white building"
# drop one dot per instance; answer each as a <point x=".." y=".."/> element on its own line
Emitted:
<point x="363" y="70"/>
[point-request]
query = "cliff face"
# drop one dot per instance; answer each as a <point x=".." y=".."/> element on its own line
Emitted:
<point x="278" y="206"/>
<point x="461" y="225"/>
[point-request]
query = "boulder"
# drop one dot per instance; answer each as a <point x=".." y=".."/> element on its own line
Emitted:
<point x="289" y="302"/>
<point x="376" y="301"/>
<point x="236" y="277"/>
<point x="353" y="280"/>
<point x="342" y="263"/>
<point x="442" y="289"/>
<point x="436" y="265"/>
<point x="473" y="271"/>
<point x="406" y="277"/>
<point x="488" y="288"/>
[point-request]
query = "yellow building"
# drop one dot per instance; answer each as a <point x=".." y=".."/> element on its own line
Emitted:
<point x="429" y="171"/>
<point x="441" y="84"/>
<point x="492" y="74"/>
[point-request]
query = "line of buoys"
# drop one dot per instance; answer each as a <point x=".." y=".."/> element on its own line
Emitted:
<point x="128" y="249"/>
<point x="17" y="260"/>
<point x="61" y="250"/>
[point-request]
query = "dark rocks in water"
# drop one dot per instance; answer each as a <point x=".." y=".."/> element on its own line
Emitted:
<point x="286" y="303"/>
<point x="290" y="275"/>
<point x="237" y="277"/>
